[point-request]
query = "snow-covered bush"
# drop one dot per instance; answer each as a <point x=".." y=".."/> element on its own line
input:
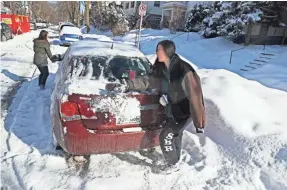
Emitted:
<point x="110" y="13"/>
<point x="223" y="19"/>
<point x="133" y="20"/>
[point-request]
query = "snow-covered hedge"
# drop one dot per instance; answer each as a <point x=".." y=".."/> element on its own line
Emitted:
<point x="223" y="18"/>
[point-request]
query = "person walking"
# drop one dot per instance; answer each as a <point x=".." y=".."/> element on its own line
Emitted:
<point x="181" y="95"/>
<point x="41" y="51"/>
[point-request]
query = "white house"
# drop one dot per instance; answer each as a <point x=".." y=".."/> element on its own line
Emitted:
<point x="154" y="11"/>
<point x="162" y="13"/>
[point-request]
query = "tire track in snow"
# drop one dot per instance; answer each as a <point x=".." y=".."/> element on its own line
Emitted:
<point x="10" y="94"/>
<point x="14" y="167"/>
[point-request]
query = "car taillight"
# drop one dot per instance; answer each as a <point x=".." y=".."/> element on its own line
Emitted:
<point x="69" y="109"/>
<point x="86" y="111"/>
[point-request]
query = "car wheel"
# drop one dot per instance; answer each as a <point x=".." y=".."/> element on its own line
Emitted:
<point x="3" y="39"/>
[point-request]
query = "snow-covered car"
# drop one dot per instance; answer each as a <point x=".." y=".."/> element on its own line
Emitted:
<point x="33" y="26"/>
<point x="63" y="24"/>
<point x="69" y="35"/>
<point x="88" y="119"/>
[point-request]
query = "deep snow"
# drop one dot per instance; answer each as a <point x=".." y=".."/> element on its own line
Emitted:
<point x="244" y="145"/>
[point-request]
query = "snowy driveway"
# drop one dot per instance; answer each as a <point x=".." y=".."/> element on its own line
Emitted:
<point x="244" y="147"/>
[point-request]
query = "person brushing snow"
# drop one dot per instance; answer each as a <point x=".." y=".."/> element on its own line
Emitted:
<point x="181" y="95"/>
<point x="41" y="50"/>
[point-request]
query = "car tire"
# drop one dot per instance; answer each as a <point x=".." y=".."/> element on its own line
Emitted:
<point x="3" y="38"/>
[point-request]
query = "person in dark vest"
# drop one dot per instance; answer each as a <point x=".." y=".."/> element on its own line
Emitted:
<point x="181" y="95"/>
<point x="41" y="51"/>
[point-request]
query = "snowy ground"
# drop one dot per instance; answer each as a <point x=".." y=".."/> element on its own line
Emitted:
<point x="244" y="146"/>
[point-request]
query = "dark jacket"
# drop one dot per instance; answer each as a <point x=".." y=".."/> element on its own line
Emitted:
<point x="184" y="91"/>
<point x="41" y="50"/>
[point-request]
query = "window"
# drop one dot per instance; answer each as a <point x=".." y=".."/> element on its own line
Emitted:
<point x="127" y="5"/>
<point x="157" y="4"/>
<point x="93" y="68"/>
<point x="138" y="3"/>
<point x="132" y="4"/>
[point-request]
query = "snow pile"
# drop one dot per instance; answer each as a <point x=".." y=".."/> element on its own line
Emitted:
<point x="265" y="113"/>
<point x="272" y="74"/>
<point x="244" y="145"/>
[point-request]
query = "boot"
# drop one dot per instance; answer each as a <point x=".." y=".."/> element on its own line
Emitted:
<point x="42" y="87"/>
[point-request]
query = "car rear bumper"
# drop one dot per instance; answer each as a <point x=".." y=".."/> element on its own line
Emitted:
<point x="68" y="42"/>
<point x="78" y="140"/>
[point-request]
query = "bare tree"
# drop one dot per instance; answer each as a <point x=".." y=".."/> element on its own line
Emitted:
<point x="87" y="15"/>
<point x="16" y="7"/>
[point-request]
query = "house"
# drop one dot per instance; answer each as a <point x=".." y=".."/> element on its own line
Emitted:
<point x="162" y="14"/>
<point x="153" y="13"/>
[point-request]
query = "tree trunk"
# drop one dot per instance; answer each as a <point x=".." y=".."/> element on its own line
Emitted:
<point x="87" y="15"/>
<point x="78" y="14"/>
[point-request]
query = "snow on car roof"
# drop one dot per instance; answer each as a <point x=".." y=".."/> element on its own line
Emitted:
<point x="67" y="23"/>
<point x="71" y="30"/>
<point x="92" y="48"/>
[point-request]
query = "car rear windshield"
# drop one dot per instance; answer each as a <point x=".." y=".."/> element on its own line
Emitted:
<point x="110" y="68"/>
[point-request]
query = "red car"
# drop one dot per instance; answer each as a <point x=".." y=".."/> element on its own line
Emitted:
<point x="86" y="118"/>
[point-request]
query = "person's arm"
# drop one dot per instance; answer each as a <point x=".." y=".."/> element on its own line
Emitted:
<point x="192" y="88"/>
<point x="48" y="51"/>
<point x="144" y="83"/>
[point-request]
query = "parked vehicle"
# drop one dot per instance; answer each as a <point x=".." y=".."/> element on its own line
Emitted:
<point x="86" y="118"/>
<point x="41" y="25"/>
<point x="69" y="35"/>
<point x="63" y="24"/>
<point x="33" y="26"/>
<point x="6" y="32"/>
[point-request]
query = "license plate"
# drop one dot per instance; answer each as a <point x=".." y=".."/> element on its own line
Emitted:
<point x="128" y="121"/>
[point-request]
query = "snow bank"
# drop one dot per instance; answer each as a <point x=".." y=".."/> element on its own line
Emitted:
<point x="252" y="109"/>
<point x="273" y="74"/>
<point x="244" y="145"/>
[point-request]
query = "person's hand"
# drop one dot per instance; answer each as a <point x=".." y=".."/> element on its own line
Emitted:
<point x="163" y="100"/>
<point x="120" y="88"/>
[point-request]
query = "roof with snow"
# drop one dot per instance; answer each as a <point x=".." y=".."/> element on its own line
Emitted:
<point x="92" y="48"/>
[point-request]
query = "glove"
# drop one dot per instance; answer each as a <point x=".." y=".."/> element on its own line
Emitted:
<point x="55" y="58"/>
<point x="163" y="100"/>
<point x="120" y="88"/>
